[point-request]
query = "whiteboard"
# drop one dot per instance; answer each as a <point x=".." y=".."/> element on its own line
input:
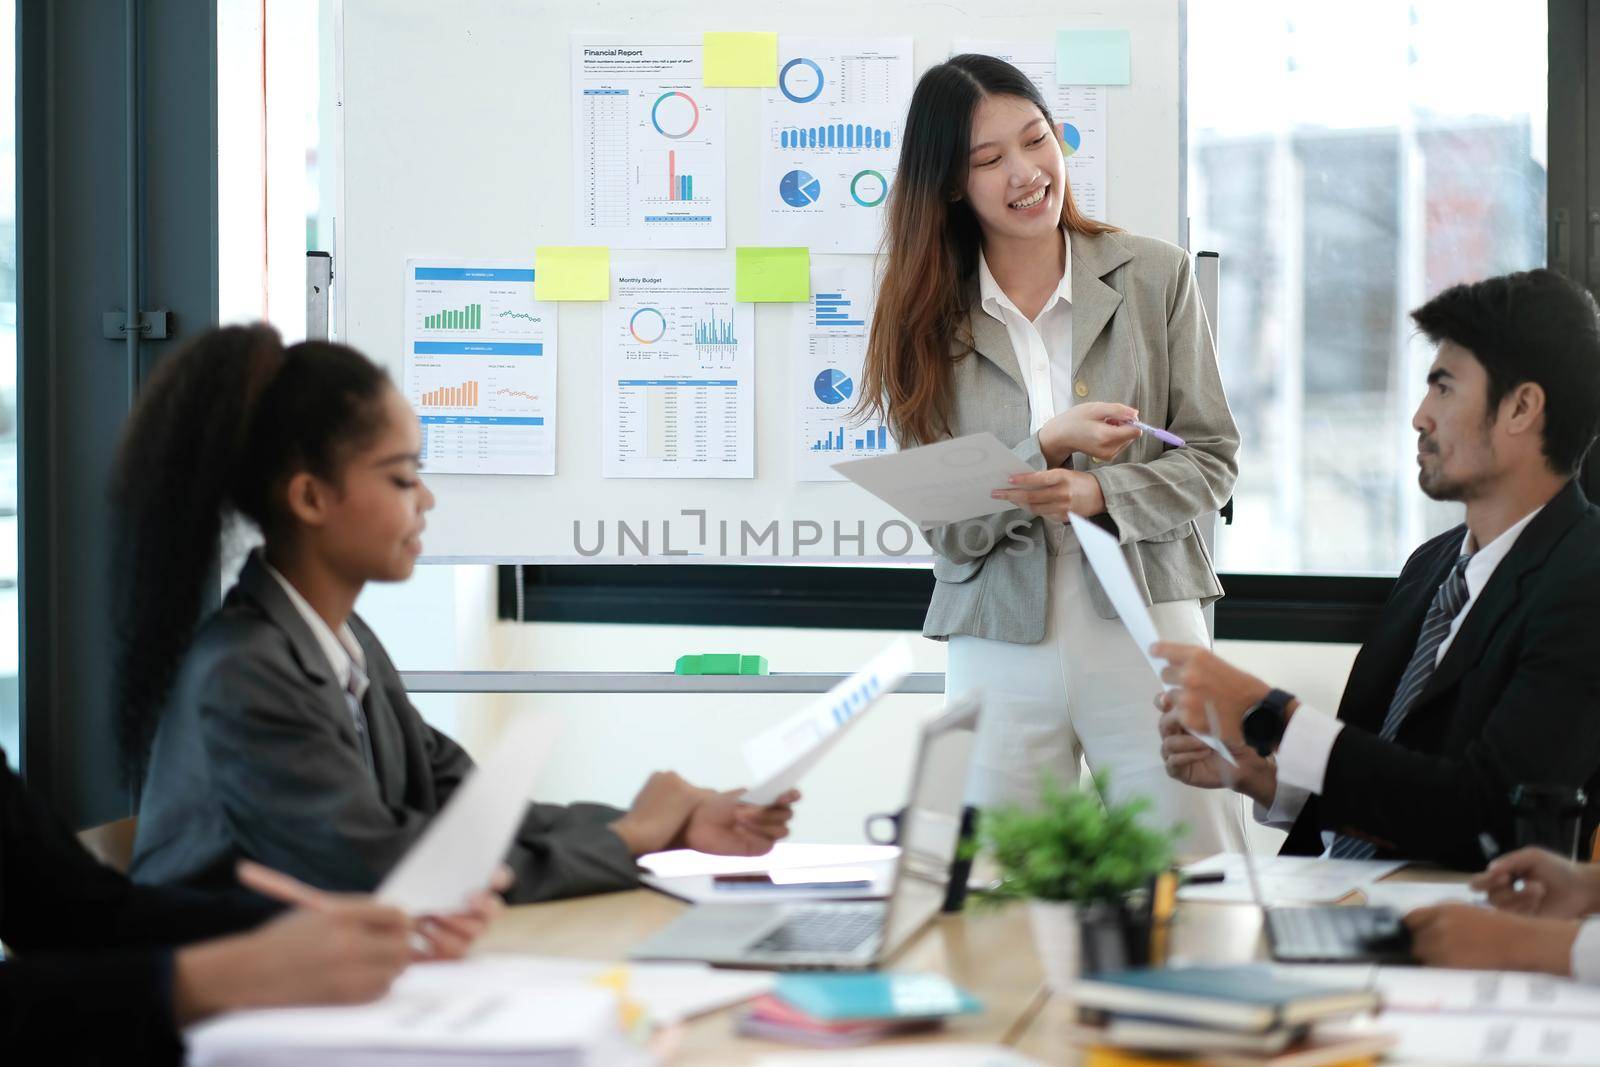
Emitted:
<point x="455" y="140"/>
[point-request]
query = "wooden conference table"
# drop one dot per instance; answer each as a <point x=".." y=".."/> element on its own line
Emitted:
<point x="990" y="953"/>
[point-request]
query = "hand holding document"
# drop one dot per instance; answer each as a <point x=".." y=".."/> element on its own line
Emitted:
<point x="458" y="853"/>
<point x="781" y="756"/>
<point x="940" y="483"/>
<point x="1105" y="556"/>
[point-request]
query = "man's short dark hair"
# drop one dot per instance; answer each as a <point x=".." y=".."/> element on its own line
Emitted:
<point x="1532" y="326"/>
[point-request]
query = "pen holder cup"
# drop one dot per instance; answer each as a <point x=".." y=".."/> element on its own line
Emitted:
<point x="1115" y="936"/>
<point x="1548" y="816"/>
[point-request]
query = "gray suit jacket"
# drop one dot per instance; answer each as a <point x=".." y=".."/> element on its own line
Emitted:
<point x="256" y="757"/>
<point x="1139" y="337"/>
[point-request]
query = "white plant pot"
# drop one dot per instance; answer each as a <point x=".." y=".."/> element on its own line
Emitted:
<point x="1058" y="940"/>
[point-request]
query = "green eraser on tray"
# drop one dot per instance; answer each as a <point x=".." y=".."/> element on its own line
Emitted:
<point x="721" y="663"/>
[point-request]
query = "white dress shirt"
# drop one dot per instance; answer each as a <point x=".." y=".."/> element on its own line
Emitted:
<point x="343" y="651"/>
<point x="1586" y="953"/>
<point x="1043" y="344"/>
<point x="1307" y="743"/>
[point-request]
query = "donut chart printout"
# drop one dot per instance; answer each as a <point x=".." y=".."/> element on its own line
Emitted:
<point x="827" y="346"/>
<point x="678" y="358"/>
<point x="830" y="140"/>
<point x="650" y="145"/>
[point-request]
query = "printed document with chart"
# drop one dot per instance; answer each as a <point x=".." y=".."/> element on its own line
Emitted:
<point x="828" y="344"/>
<point x="830" y="140"/>
<point x="649" y="147"/>
<point x="480" y="366"/>
<point x="1079" y="111"/>
<point x="679" y="367"/>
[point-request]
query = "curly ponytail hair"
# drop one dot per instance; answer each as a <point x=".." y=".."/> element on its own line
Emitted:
<point x="219" y="429"/>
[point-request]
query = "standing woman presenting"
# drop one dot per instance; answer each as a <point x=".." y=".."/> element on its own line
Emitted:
<point x="1004" y="309"/>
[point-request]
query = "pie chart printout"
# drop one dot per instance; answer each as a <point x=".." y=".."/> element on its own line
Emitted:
<point x="833" y="386"/>
<point x="799" y="189"/>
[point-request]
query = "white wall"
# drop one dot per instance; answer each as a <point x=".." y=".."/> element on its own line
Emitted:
<point x="445" y="619"/>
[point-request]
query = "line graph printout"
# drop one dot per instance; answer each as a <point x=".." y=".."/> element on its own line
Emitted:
<point x="830" y="140"/>
<point x="480" y="366"/>
<point x="1079" y="111"/>
<point x="649" y="144"/>
<point x="828" y="345"/>
<point x="679" y="363"/>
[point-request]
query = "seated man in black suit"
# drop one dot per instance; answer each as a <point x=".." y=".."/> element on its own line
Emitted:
<point x="1484" y="670"/>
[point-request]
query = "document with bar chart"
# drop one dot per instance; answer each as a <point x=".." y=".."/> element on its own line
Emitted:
<point x="829" y="344"/>
<point x="649" y="151"/>
<point x="1079" y="111"/>
<point x="481" y="366"/>
<point x="679" y="362"/>
<point x="830" y="140"/>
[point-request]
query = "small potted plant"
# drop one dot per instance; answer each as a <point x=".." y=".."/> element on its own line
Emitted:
<point x="1085" y="869"/>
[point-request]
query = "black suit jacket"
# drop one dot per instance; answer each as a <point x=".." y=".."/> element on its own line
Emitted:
<point x="1516" y="699"/>
<point x="90" y="980"/>
<point x="256" y="757"/>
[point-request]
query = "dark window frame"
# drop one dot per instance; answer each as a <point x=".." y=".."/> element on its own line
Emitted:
<point x="1260" y="607"/>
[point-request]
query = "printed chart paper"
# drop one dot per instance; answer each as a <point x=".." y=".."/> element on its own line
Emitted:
<point x="830" y="140"/>
<point x="649" y="146"/>
<point x="828" y="344"/>
<point x="1079" y="111"/>
<point x="679" y="362"/>
<point x="480" y="366"/>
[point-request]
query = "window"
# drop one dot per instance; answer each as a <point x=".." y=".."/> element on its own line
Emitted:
<point x="1349" y="161"/>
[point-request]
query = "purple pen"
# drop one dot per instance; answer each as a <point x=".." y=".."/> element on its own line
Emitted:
<point x="1160" y="435"/>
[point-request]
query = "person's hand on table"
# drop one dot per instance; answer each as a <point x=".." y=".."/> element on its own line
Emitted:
<point x="1536" y="881"/>
<point x="720" y="824"/>
<point x="1476" y="938"/>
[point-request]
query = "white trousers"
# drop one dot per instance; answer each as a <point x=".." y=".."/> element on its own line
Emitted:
<point x="1084" y="691"/>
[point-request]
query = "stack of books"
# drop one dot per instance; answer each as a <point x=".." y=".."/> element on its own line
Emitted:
<point x="836" y="1010"/>
<point x="1247" y="1016"/>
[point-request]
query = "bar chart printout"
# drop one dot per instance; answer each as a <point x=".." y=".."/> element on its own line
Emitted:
<point x="481" y="367"/>
<point x="831" y="140"/>
<point x="650" y="153"/>
<point x="679" y="370"/>
<point x="829" y="340"/>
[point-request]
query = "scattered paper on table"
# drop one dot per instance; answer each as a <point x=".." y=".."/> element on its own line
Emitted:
<point x="1406" y="896"/>
<point x="921" y="1055"/>
<point x="1285" y="879"/>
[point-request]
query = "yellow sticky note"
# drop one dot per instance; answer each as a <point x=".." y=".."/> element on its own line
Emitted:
<point x="740" y="60"/>
<point x="781" y="275"/>
<point x="572" y="272"/>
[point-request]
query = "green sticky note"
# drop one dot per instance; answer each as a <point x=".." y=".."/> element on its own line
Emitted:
<point x="1093" y="57"/>
<point x="780" y="275"/>
<point x="740" y="60"/>
<point x="572" y="272"/>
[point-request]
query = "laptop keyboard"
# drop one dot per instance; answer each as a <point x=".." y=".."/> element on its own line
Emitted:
<point x="823" y="930"/>
<point x="1334" y="933"/>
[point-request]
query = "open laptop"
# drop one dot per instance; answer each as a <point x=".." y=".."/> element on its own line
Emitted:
<point x="841" y="935"/>
<point x="1330" y="933"/>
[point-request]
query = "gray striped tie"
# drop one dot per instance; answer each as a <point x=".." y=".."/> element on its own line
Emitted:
<point x="1447" y="603"/>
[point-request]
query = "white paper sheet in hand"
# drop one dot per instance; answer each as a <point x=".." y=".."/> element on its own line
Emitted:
<point x="781" y="756"/>
<point x="944" y="482"/>
<point x="1105" y="556"/>
<point x="458" y="853"/>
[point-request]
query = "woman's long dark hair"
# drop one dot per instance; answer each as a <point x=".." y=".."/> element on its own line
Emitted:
<point x="932" y="244"/>
<point x="219" y="429"/>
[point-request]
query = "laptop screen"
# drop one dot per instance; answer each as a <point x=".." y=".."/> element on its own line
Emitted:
<point x="930" y="830"/>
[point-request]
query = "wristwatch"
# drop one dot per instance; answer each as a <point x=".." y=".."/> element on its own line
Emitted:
<point x="1263" y="724"/>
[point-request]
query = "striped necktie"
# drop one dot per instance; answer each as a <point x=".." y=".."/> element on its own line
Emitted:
<point x="358" y="717"/>
<point x="1447" y="604"/>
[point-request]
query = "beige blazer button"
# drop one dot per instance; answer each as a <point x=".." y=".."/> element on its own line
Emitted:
<point x="1081" y="388"/>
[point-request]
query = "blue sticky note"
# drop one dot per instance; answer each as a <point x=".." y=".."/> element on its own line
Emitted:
<point x="1093" y="57"/>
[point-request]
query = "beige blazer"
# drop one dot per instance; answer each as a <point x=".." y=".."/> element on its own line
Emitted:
<point x="1139" y="337"/>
